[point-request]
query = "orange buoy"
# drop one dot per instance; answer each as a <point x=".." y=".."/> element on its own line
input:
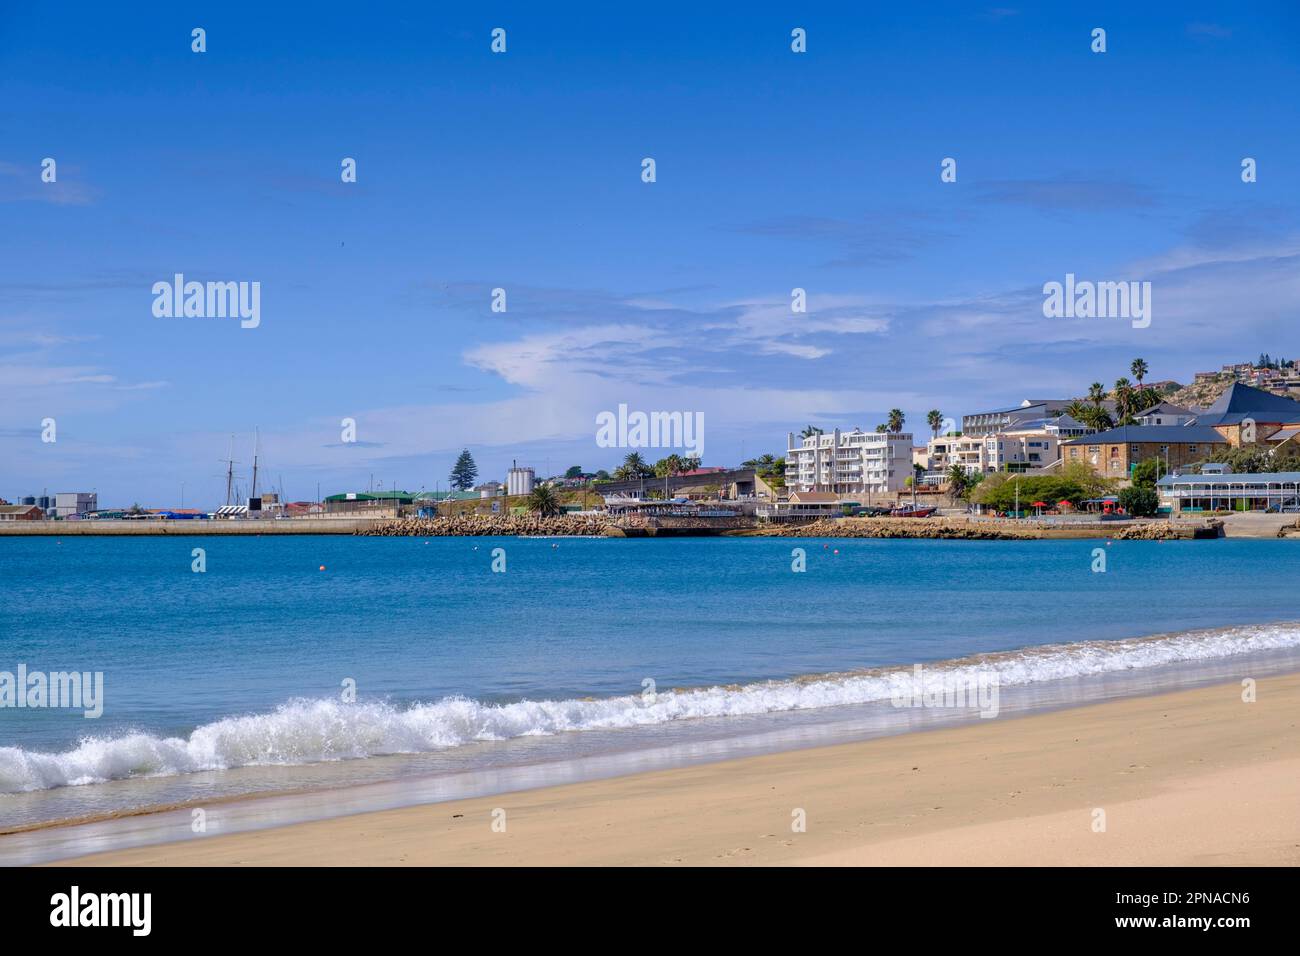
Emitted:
<point x="322" y="567"/>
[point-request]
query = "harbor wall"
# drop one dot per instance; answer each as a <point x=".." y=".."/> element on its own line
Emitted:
<point x="68" y="529"/>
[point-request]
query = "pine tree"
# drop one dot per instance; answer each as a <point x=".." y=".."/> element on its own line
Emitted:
<point x="464" y="473"/>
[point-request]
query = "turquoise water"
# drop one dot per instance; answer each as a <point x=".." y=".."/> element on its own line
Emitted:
<point x="244" y="665"/>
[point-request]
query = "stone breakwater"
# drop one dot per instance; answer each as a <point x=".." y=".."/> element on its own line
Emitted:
<point x="470" y="525"/>
<point x="905" y="528"/>
<point x="1168" y="531"/>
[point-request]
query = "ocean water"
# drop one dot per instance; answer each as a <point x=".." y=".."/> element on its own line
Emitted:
<point x="232" y="681"/>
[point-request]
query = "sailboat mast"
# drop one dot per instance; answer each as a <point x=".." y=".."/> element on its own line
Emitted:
<point x="253" y="492"/>
<point x="230" y="471"/>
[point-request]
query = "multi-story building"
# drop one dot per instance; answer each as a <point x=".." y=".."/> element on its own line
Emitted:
<point x="966" y="450"/>
<point x="1024" y="449"/>
<point x="68" y="503"/>
<point x="1020" y="449"/>
<point x="853" y="463"/>
<point x="1165" y="413"/>
<point x="999" y="420"/>
<point x="1245" y="415"/>
<point x="1114" y="453"/>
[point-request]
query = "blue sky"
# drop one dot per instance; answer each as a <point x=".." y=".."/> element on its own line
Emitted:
<point x="775" y="170"/>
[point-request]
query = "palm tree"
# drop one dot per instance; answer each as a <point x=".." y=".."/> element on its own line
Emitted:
<point x="957" y="481"/>
<point x="1097" y="393"/>
<point x="670" y="466"/>
<point x="895" y="420"/>
<point x="810" y="431"/>
<point x="633" y="467"/>
<point x="934" y="418"/>
<point x="1123" y="401"/>
<point x="1096" y="418"/>
<point x="1139" y="369"/>
<point x="544" y="501"/>
<point x="1076" y="410"/>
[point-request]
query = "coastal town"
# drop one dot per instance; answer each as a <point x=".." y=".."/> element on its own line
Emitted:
<point x="1224" y="445"/>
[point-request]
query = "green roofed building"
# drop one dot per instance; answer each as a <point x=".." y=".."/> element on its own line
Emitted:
<point x="366" y="503"/>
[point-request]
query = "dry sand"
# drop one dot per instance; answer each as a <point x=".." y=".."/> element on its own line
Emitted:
<point x="1194" y="777"/>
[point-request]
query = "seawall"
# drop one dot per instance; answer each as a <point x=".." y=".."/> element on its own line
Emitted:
<point x="109" y="528"/>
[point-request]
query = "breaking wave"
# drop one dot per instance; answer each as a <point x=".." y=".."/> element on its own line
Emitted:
<point x="311" y="731"/>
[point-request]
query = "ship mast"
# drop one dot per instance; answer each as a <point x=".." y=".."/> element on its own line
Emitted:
<point x="230" y="471"/>
<point x="253" y="492"/>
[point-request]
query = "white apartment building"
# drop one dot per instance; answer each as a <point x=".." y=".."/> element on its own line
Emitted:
<point x="1019" y="450"/>
<point x="966" y="450"/>
<point x="851" y="463"/>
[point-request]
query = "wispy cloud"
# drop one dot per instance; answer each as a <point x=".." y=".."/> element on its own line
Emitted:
<point x="23" y="184"/>
<point x="1068" y="193"/>
<point x="878" y="237"/>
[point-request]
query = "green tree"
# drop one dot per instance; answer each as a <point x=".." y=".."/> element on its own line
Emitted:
<point x="985" y="492"/>
<point x="1147" y="473"/>
<point x="464" y="472"/>
<point x="1247" y="459"/>
<point x="575" y="471"/>
<point x="1139" y="502"/>
<point x="809" y="431"/>
<point x="896" y="420"/>
<point x="544" y="501"/>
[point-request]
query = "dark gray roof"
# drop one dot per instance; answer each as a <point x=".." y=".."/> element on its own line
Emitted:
<point x="1288" y="477"/>
<point x="1166" y="434"/>
<point x="1240" y="401"/>
<point x="1027" y="409"/>
<point x="1168" y="408"/>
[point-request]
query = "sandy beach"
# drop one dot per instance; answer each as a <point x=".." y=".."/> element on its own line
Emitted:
<point x="1196" y="777"/>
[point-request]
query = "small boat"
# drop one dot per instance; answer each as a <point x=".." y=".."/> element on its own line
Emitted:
<point x="912" y="511"/>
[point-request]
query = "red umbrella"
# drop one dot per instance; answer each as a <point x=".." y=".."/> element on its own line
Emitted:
<point x="1040" y="504"/>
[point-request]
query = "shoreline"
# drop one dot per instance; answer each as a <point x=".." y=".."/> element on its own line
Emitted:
<point x="1201" y="756"/>
<point x="939" y="528"/>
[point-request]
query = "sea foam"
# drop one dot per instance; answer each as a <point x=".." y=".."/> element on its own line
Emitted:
<point x="307" y="731"/>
